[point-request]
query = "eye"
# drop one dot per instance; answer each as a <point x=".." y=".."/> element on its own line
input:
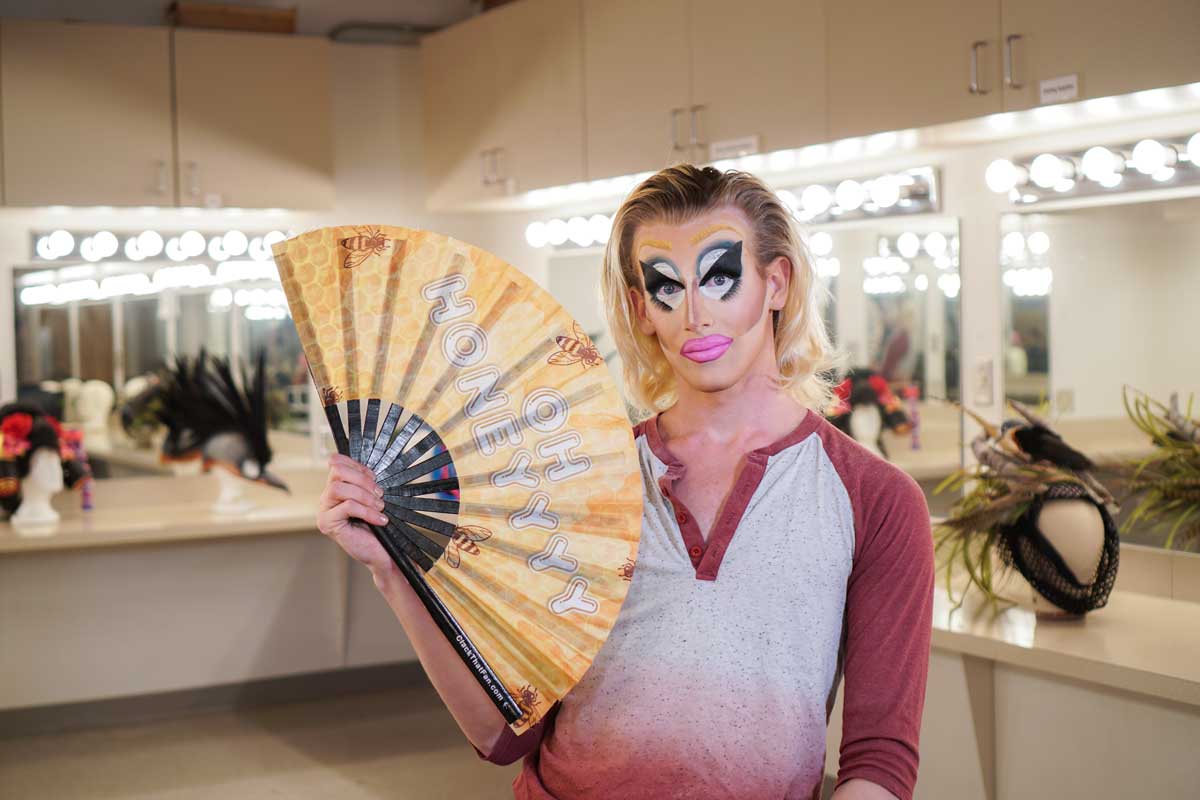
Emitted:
<point x="720" y="281"/>
<point x="668" y="289"/>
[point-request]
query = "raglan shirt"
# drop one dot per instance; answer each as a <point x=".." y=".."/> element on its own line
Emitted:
<point x="719" y="675"/>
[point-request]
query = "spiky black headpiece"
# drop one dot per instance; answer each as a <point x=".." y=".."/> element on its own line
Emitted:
<point x="201" y="398"/>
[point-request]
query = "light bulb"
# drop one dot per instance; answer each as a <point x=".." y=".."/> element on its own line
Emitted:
<point x="1193" y="150"/>
<point x="150" y="243"/>
<point x="850" y="195"/>
<point x="921" y="283"/>
<point x="789" y="199"/>
<point x="221" y="298"/>
<point x="216" y="249"/>
<point x="235" y="243"/>
<point x="556" y="232"/>
<point x="600" y="227"/>
<point x="1047" y="170"/>
<point x="1013" y="244"/>
<point x="535" y="234"/>
<point x="105" y="244"/>
<point x="192" y="243"/>
<point x="132" y="252"/>
<point x="909" y="244"/>
<point x="935" y="244"/>
<point x="88" y="249"/>
<point x="174" y="250"/>
<point x="1164" y="174"/>
<point x="1151" y="156"/>
<point x="885" y="191"/>
<point x="1039" y="243"/>
<point x="578" y="231"/>
<point x="821" y="243"/>
<point x="1100" y="162"/>
<point x="1001" y="176"/>
<point x="45" y="250"/>
<point x="62" y="243"/>
<point x="815" y="199"/>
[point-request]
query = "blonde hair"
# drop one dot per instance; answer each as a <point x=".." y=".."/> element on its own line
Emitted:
<point x="807" y="360"/>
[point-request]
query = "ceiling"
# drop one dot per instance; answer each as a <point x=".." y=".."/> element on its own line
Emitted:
<point x="314" y="17"/>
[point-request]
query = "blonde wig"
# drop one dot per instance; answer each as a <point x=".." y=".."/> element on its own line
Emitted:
<point x="808" y="364"/>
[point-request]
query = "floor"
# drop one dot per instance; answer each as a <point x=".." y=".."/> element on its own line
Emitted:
<point x="394" y="744"/>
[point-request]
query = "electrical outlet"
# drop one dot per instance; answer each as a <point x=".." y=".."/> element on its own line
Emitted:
<point x="983" y="386"/>
<point x="1064" y="401"/>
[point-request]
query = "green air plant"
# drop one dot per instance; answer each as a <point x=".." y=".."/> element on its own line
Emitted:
<point x="1006" y="484"/>
<point x="1165" y="483"/>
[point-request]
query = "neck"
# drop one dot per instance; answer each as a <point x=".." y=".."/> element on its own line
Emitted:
<point x="753" y="408"/>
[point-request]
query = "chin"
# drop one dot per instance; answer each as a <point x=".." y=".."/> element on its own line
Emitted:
<point x="709" y="377"/>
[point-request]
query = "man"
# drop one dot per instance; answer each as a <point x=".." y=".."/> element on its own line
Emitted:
<point x="776" y="553"/>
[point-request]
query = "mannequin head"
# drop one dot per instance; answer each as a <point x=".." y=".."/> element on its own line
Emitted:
<point x="706" y="283"/>
<point x="31" y="456"/>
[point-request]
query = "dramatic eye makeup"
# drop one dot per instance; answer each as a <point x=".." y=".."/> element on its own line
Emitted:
<point x="719" y="270"/>
<point x="663" y="283"/>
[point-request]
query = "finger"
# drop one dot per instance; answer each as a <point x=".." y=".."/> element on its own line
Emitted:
<point x="348" y="509"/>
<point x="340" y="490"/>
<point x="337" y="459"/>
<point x="344" y="473"/>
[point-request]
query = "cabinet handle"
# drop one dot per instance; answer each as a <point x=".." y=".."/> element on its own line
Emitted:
<point x="674" y="117"/>
<point x="974" y="85"/>
<point x="193" y="179"/>
<point x="160" y="183"/>
<point x="1009" y="69"/>
<point x="485" y="175"/>
<point x="497" y="177"/>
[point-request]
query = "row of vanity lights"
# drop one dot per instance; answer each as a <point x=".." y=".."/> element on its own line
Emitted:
<point x="107" y="275"/>
<point x="104" y="245"/>
<point x="1132" y="165"/>
<point x="911" y="191"/>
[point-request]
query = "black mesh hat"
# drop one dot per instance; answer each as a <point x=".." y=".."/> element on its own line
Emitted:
<point x="1023" y="545"/>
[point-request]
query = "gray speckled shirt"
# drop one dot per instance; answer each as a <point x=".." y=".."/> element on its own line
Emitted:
<point x="717" y="679"/>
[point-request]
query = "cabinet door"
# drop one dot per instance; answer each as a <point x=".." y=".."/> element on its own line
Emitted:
<point x="758" y="68"/>
<point x="539" y="72"/>
<point x="905" y="65"/>
<point x="636" y="70"/>
<point x="86" y="114"/>
<point x="1113" y="47"/>
<point x="460" y="107"/>
<point x="254" y="120"/>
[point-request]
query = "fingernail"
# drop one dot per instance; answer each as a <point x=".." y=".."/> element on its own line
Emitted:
<point x="379" y="505"/>
<point x="381" y="519"/>
<point x="379" y="491"/>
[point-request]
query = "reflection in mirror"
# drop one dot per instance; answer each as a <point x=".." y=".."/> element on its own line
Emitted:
<point x="894" y="310"/>
<point x="65" y="350"/>
<point x="1096" y="298"/>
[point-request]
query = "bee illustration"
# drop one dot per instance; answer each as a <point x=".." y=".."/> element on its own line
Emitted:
<point x="576" y="349"/>
<point x="626" y="570"/>
<point x="465" y="541"/>
<point x="527" y="701"/>
<point x="330" y="395"/>
<point x="369" y="242"/>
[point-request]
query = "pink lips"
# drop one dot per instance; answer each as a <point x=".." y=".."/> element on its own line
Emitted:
<point x="707" y="348"/>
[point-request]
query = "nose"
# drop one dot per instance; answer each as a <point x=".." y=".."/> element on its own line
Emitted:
<point x="697" y="314"/>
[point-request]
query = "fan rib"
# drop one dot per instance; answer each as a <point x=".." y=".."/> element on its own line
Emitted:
<point x="397" y="445"/>
<point x="354" y="424"/>
<point x="412" y="473"/>
<point x="369" y="425"/>
<point x="422" y="520"/>
<point x="334" y="416"/>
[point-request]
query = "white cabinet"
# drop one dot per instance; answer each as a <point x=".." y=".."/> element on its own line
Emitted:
<point x="637" y="83"/>
<point x="86" y="114"/>
<point x="1112" y="47"/>
<point x="503" y="103"/>
<point x="757" y="74"/>
<point x="906" y="65"/>
<point x="253" y="115"/>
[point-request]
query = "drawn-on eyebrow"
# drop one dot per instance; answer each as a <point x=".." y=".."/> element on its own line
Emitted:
<point x="655" y="243"/>
<point x="709" y="231"/>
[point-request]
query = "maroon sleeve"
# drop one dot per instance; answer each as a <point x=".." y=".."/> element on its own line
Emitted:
<point x="511" y="747"/>
<point x="889" y="618"/>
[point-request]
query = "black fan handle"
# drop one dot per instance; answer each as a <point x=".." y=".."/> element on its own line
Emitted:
<point x="450" y="628"/>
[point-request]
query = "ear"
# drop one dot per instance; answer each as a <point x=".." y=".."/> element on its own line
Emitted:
<point x="640" y="317"/>
<point x="778" y="278"/>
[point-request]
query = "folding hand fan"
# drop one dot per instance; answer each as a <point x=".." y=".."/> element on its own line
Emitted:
<point x="511" y="482"/>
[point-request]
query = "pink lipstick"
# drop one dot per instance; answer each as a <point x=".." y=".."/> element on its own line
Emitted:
<point x="706" y="348"/>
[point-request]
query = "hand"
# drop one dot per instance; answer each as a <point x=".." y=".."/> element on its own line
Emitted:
<point x="351" y="494"/>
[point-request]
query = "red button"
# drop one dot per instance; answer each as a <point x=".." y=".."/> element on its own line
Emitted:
<point x="681" y="516"/>
<point x="695" y="551"/>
